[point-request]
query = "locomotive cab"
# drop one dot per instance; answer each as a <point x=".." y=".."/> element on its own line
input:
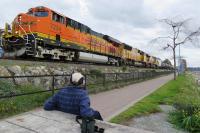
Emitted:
<point x="27" y="23"/>
<point x="38" y="12"/>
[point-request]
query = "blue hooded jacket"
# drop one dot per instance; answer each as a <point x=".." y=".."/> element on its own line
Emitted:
<point x="74" y="100"/>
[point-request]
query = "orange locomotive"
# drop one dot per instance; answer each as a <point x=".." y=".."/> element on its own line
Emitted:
<point x="44" y="33"/>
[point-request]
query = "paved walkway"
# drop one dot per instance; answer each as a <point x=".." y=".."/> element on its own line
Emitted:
<point x="111" y="103"/>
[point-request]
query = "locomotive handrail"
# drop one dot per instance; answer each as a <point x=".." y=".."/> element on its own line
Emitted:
<point x="24" y="32"/>
<point x="35" y="43"/>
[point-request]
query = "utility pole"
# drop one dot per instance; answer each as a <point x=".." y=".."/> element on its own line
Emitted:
<point x="179" y="61"/>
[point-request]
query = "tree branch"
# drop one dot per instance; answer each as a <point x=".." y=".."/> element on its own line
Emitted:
<point x="160" y="38"/>
<point x="168" y="46"/>
<point x="167" y="21"/>
<point x="177" y="33"/>
<point x="164" y="37"/>
<point x="189" y="37"/>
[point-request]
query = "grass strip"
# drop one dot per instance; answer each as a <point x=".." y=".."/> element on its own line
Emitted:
<point x="15" y="105"/>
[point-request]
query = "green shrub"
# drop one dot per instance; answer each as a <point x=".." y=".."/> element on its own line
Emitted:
<point x="124" y="68"/>
<point x="7" y="88"/>
<point x="16" y="105"/>
<point x="19" y="104"/>
<point x="96" y="72"/>
<point x="187" y="104"/>
<point x="182" y="119"/>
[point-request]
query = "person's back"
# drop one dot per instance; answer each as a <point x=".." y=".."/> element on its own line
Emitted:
<point x="70" y="100"/>
<point x="73" y="99"/>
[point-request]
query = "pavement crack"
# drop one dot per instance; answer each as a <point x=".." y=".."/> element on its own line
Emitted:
<point x="46" y="118"/>
<point x="22" y="127"/>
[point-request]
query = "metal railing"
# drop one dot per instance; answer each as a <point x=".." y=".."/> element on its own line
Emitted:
<point x="51" y="83"/>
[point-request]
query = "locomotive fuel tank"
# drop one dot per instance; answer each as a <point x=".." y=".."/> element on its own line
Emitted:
<point x="92" y="57"/>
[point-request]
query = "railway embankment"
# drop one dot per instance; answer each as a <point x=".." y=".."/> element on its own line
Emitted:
<point x="24" y="67"/>
<point x="29" y="68"/>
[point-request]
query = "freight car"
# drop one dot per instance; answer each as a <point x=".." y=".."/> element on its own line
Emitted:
<point x="44" y="33"/>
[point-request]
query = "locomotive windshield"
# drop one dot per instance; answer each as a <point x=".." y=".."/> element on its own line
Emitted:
<point x="41" y="14"/>
<point x="38" y="13"/>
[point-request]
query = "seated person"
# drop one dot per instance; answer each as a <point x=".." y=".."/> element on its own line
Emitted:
<point x="73" y="99"/>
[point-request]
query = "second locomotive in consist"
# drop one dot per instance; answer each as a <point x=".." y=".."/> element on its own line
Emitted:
<point x="44" y="33"/>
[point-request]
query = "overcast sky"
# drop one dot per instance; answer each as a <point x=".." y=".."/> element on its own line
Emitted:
<point x="134" y="22"/>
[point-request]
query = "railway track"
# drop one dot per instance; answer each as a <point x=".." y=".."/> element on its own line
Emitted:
<point x="27" y="61"/>
<point x="56" y="61"/>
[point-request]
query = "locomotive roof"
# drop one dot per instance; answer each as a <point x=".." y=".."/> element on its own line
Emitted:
<point x="97" y="34"/>
<point x="111" y="39"/>
<point x="126" y="46"/>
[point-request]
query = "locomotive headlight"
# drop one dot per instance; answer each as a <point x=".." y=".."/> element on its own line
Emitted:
<point x="19" y="18"/>
<point x="16" y="32"/>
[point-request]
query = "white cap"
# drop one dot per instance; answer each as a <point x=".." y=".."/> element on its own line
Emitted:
<point x="76" y="77"/>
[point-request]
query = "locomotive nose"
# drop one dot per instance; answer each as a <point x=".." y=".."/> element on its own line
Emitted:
<point x="19" y="17"/>
<point x="23" y="24"/>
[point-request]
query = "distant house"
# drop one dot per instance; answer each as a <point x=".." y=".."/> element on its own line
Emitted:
<point x="183" y="66"/>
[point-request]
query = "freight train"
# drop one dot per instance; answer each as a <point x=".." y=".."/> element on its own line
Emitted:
<point x="44" y="33"/>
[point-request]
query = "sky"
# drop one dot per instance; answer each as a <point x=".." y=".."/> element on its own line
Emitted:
<point x="134" y="22"/>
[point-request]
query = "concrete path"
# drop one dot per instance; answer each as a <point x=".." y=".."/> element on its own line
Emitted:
<point x="111" y="103"/>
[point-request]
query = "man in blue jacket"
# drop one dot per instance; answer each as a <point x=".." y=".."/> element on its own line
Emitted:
<point x="73" y="99"/>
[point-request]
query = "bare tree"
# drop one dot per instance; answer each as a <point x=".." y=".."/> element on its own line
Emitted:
<point x="179" y="35"/>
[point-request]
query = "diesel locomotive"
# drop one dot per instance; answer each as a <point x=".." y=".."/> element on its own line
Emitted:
<point x="47" y="34"/>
